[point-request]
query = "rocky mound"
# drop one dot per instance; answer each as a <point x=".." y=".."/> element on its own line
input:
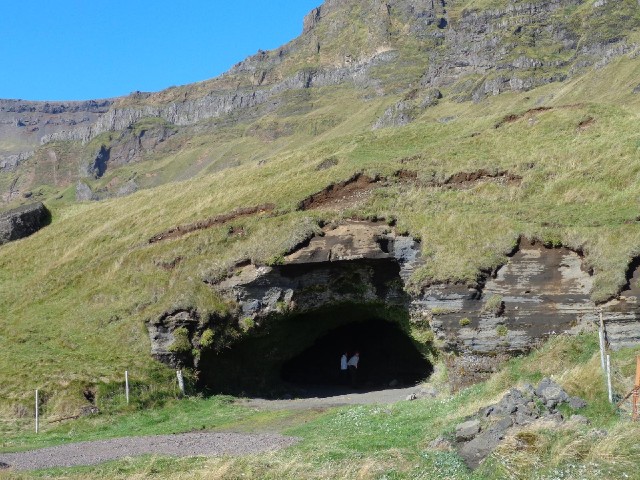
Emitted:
<point x="480" y="435"/>
<point x="22" y="222"/>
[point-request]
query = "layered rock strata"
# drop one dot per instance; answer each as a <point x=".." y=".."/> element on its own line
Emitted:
<point x="538" y="293"/>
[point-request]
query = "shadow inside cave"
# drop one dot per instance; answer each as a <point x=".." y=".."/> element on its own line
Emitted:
<point x="299" y="357"/>
<point x="388" y="359"/>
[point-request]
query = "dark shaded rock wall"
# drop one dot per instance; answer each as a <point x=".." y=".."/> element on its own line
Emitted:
<point x="539" y="292"/>
<point x="22" y="222"/>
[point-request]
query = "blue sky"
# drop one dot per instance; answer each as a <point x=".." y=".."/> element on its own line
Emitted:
<point x="85" y="49"/>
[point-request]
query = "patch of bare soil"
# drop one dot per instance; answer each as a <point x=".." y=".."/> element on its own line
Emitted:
<point x="342" y="195"/>
<point x="181" y="230"/>
<point x="467" y="179"/>
<point x="462" y="179"/>
<point x="515" y="117"/>
<point x="586" y="123"/>
<point x="531" y="112"/>
<point x="406" y="175"/>
<point x="337" y="397"/>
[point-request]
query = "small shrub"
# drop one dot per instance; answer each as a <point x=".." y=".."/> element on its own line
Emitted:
<point x="206" y="339"/>
<point x="493" y="305"/>
<point x="181" y="343"/>
<point x="247" y="323"/>
<point x="275" y="260"/>
<point x="441" y="311"/>
<point x="282" y="307"/>
<point x="464" y="322"/>
<point x="502" y="331"/>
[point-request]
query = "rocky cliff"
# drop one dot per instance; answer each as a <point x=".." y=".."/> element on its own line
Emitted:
<point x="541" y="291"/>
<point x="466" y="53"/>
<point x="24" y="124"/>
<point x="22" y="222"/>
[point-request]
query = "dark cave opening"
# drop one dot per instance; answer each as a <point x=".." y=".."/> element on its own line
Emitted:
<point x="300" y="354"/>
<point x="388" y="357"/>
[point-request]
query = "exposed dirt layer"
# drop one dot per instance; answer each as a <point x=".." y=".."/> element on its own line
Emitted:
<point x="181" y="230"/>
<point x="462" y="179"/>
<point x="586" y="123"/>
<point x="515" y="117"/>
<point x="183" y="445"/>
<point x="341" y="195"/>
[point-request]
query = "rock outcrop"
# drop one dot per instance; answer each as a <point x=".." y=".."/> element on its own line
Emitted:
<point x="26" y="123"/>
<point x="541" y="291"/>
<point x="475" y="58"/>
<point x="480" y="52"/>
<point x="405" y="48"/>
<point x="22" y="222"/>
<point x="478" y="437"/>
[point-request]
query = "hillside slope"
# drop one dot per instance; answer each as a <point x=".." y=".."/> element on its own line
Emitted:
<point x="464" y="97"/>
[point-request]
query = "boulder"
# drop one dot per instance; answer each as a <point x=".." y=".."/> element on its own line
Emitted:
<point x="579" y="420"/>
<point x="476" y="450"/>
<point x="509" y="404"/>
<point x="4" y="466"/>
<point x="22" y="222"/>
<point x="551" y="393"/>
<point x="83" y="192"/>
<point x="526" y="414"/>
<point x="467" y="431"/>
<point x="577" y="403"/>
<point x="441" y="443"/>
<point x="127" y="189"/>
<point x="553" y="417"/>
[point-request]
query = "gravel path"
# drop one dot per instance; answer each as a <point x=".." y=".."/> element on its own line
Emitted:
<point x="335" y="398"/>
<point x="198" y="444"/>
<point x="183" y="445"/>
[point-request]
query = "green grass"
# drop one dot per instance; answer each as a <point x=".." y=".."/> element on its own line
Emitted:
<point x="96" y="279"/>
<point x="380" y="441"/>
<point x="92" y="280"/>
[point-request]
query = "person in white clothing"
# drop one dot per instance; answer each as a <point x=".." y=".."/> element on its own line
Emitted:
<point x="344" y="369"/>
<point x="353" y="368"/>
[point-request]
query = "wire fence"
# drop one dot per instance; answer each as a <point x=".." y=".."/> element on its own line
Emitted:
<point x="130" y="394"/>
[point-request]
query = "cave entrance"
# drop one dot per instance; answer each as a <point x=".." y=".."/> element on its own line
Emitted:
<point x="294" y="353"/>
<point x="388" y="357"/>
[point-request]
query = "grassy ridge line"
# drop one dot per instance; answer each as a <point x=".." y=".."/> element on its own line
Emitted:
<point x="86" y="283"/>
<point x="385" y="441"/>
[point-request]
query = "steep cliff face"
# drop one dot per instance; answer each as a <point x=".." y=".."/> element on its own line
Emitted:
<point x="523" y="45"/>
<point x="23" y="124"/>
<point x="446" y="49"/>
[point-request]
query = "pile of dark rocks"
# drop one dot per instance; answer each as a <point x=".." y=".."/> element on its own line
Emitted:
<point x="476" y="438"/>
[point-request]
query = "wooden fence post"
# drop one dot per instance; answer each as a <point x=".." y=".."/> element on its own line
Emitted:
<point x="180" y="381"/>
<point x="636" y="393"/>
<point x="609" y="389"/>
<point x="602" y="343"/>
<point x="126" y="385"/>
<point x="37" y="413"/>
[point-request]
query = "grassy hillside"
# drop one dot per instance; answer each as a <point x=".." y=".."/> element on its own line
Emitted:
<point x="87" y="283"/>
